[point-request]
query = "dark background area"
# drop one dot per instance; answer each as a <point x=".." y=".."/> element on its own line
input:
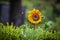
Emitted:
<point x="11" y="11"/>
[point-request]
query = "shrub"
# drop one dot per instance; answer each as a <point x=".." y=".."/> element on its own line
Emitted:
<point x="10" y="32"/>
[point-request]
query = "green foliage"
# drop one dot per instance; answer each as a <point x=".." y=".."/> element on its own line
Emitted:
<point x="10" y="32"/>
<point x="56" y="24"/>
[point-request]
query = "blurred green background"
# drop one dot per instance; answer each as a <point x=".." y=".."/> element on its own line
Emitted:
<point x="50" y="10"/>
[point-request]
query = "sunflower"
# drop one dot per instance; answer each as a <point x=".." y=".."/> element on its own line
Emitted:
<point x="35" y="16"/>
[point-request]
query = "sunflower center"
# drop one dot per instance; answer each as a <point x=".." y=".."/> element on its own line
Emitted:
<point x="35" y="17"/>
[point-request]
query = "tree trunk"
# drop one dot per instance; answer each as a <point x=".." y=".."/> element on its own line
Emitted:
<point x="15" y="12"/>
